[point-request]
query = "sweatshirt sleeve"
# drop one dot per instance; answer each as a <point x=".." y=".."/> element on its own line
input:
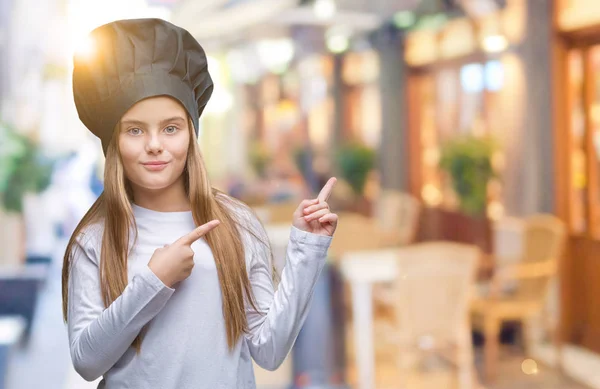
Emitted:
<point x="274" y="326"/>
<point x="99" y="336"/>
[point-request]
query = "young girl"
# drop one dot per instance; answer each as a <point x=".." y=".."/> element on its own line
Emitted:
<point x="167" y="282"/>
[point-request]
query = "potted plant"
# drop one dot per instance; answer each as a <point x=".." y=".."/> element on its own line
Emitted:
<point x="302" y="160"/>
<point x="259" y="158"/>
<point x="355" y="162"/>
<point x="23" y="170"/>
<point x="468" y="162"/>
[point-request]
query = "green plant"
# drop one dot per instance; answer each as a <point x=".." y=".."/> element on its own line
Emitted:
<point x="355" y="162"/>
<point x="23" y="168"/>
<point x="302" y="160"/>
<point x="468" y="162"/>
<point x="259" y="158"/>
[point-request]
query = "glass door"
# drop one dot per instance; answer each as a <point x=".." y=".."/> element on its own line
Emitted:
<point x="584" y="139"/>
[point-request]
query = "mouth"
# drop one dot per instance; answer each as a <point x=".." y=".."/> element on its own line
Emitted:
<point x="155" y="165"/>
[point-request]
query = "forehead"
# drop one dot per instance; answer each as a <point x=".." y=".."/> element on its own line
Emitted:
<point x="155" y="109"/>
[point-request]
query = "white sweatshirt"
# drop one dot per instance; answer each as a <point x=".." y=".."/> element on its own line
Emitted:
<point x="185" y="343"/>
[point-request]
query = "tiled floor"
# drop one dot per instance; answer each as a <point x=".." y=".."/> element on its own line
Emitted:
<point x="511" y="376"/>
<point x="439" y="375"/>
<point x="45" y="363"/>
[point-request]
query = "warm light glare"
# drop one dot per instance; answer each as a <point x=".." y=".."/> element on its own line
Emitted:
<point x="495" y="210"/>
<point x="85" y="15"/>
<point x="529" y="367"/>
<point x="431" y="156"/>
<point x="431" y="195"/>
<point x="495" y="43"/>
<point x="324" y="9"/>
<point x="86" y="48"/>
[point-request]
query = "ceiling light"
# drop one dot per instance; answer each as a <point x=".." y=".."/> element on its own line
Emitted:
<point x="338" y="43"/>
<point x="276" y="54"/>
<point x="324" y="9"/>
<point x="495" y="43"/>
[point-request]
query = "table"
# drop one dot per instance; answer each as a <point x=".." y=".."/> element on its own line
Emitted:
<point x="362" y="270"/>
<point x="351" y="250"/>
<point x="364" y="257"/>
<point x="11" y="330"/>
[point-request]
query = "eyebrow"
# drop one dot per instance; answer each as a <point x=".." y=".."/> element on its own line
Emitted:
<point x="162" y="123"/>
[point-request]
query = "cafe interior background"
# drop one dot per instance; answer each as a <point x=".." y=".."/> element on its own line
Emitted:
<point x="465" y="136"/>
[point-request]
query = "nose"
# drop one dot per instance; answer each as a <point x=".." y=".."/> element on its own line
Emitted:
<point x="154" y="145"/>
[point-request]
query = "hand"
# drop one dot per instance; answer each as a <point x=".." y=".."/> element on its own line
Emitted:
<point x="174" y="262"/>
<point x="314" y="215"/>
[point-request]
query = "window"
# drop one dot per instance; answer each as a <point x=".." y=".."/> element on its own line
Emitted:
<point x="451" y="101"/>
<point x="584" y="140"/>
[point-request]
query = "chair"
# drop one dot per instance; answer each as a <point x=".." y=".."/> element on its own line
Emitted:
<point x="398" y="212"/>
<point x="432" y="294"/>
<point x="356" y="232"/>
<point x="275" y="213"/>
<point x="394" y="223"/>
<point x="518" y="290"/>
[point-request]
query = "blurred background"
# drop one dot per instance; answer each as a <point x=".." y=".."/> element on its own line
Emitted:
<point x="465" y="135"/>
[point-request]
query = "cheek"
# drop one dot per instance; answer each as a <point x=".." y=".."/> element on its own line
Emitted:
<point x="129" y="154"/>
<point x="179" y="150"/>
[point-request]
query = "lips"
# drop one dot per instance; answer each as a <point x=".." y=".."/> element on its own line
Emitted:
<point x="155" y="165"/>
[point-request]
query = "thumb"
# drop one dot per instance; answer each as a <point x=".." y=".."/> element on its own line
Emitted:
<point x="197" y="233"/>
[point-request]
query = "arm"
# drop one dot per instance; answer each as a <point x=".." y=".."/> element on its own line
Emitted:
<point x="521" y="271"/>
<point x="274" y="327"/>
<point x="99" y="337"/>
<point x="524" y="270"/>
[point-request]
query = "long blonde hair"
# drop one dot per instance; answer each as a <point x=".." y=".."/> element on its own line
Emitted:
<point x="113" y="207"/>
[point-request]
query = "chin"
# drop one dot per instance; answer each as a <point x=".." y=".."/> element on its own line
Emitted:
<point x="154" y="183"/>
<point x="154" y="186"/>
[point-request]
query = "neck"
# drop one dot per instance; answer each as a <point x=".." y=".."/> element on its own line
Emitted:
<point x="170" y="199"/>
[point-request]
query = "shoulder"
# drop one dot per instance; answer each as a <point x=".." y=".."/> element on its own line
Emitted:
<point x="89" y="239"/>
<point x="243" y="214"/>
<point x="91" y="234"/>
<point x="250" y="227"/>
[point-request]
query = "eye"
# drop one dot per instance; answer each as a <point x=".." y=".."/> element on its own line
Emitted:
<point x="134" y="131"/>
<point x="171" y="129"/>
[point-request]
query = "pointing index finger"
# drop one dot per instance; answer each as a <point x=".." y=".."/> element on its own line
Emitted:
<point x="197" y="233"/>
<point x="326" y="191"/>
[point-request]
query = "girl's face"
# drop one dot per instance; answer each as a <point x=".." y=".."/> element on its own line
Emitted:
<point x="154" y="138"/>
